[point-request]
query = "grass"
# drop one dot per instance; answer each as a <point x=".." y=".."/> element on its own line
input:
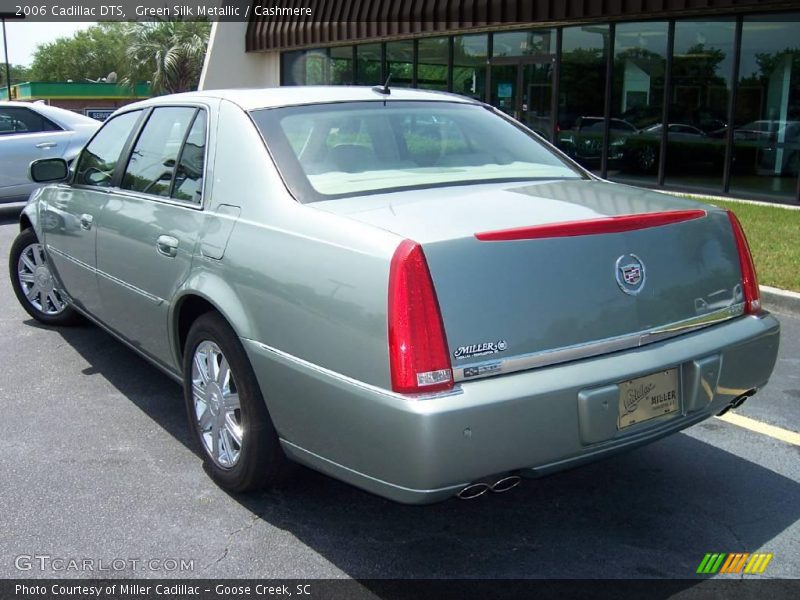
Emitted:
<point x="774" y="237"/>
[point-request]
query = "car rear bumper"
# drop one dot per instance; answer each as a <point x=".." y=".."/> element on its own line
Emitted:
<point x="536" y="422"/>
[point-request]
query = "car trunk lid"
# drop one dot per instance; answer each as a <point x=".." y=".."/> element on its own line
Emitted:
<point x="582" y="277"/>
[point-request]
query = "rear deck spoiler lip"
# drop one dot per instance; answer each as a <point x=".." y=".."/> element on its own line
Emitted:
<point x="600" y="225"/>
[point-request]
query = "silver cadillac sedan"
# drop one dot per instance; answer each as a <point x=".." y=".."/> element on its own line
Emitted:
<point x="405" y="290"/>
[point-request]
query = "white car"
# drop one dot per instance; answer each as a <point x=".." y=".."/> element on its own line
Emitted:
<point x="30" y="131"/>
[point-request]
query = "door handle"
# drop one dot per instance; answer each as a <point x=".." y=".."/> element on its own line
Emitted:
<point x="167" y="246"/>
<point x="86" y="221"/>
<point x="45" y="145"/>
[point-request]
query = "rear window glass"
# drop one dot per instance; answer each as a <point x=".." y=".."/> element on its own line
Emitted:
<point x="326" y="151"/>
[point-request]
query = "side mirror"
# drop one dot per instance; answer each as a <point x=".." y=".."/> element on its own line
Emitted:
<point x="48" y="170"/>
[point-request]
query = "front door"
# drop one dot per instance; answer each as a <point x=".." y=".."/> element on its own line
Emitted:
<point x="523" y="88"/>
<point x="69" y="213"/>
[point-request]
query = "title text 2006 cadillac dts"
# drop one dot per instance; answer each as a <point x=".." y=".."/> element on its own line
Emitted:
<point x="405" y="290"/>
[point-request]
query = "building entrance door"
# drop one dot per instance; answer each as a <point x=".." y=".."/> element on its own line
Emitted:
<point x="523" y="89"/>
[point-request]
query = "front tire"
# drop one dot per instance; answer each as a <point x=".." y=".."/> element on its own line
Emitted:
<point x="34" y="284"/>
<point x="227" y="414"/>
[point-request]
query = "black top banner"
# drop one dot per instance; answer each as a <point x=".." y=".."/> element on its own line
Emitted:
<point x="451" y="12"/>
<point x="156" y="10"/>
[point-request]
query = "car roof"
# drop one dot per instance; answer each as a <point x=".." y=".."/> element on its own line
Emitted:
<point x="254" y="98"/>
<point x="61" y="116"/>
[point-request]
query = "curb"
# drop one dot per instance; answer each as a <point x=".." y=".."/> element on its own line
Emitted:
<point x="780" y="301"/>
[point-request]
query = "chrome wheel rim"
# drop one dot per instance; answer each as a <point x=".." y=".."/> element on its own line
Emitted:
<point x="37" y="283"/>
<point x="217" y="411"/>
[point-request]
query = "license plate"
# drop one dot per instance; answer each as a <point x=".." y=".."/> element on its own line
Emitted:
<point x="648" y="397"/>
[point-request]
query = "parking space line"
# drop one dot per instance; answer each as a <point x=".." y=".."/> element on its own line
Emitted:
<point x="778" y="433"/>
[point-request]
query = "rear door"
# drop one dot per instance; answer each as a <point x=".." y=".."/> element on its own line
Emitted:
<point x="146" y="238"/>
<point x="70" y="212"/>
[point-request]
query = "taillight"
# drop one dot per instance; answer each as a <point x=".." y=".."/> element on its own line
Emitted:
<point x="418" y="355"/>
<point x="752" y="296"/>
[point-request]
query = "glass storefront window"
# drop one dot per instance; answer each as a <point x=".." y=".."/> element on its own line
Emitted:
<point x="518" y="78"/>
<point x="640" y="60"/>
<point x="432" y="63"/>
<point x="368" y="64"/>
<point x="698" y="111"/>
<point x="524" y="43"/>
<point x="316" y="67"/>
<point x="521" y="76"/>
<point x="305" y="67"/>
<point x="766" y="131"/>
<point x="582" y="92"/>
<point x="341" y="65"/>
<point x="399" y="63"/>
<point x="469" y="65"/>
<point x="293" y="68"/>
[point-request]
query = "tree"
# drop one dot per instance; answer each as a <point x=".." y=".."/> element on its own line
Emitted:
<point x="170" y="51"/>
<point x="19" y="73"/>
<point x="89" y="54"/>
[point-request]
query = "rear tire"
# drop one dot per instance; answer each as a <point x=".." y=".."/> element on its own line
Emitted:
<point x="647" y="159"/>
<point x="227" y="414"/>
<point x="34" y="284"/>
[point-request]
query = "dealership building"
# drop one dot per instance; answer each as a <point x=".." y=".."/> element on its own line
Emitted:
<point x="689" y="95"/>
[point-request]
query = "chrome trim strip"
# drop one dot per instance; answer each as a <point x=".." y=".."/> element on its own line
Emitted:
<point x="373" y="389"/>
<point x="155" y="299"/>
<point x="70" y="258"/>
<point x="587" y="350"/>
<point x="132" y="194"/>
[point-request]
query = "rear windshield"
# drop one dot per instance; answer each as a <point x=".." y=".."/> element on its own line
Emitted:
<point x="326" y="151"/>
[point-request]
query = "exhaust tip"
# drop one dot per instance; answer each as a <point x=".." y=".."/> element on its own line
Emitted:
<point x="741" y="399"/>
<point x="473" y="490"/>
<point x="479" y="488"/>
<point x="506" y="483"/>
<point x="737" y="402"/>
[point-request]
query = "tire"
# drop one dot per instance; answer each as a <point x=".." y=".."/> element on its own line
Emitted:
<point x="647" y="159"/>
<point x="33" y="282"/>
<point x="220" y="407"/>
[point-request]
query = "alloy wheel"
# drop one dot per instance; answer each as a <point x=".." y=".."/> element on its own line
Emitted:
<point x="216" y="405"/>
<point x="37" y="281"/>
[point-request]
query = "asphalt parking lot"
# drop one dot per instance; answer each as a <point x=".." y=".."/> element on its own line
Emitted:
<point x="97" y="463"/>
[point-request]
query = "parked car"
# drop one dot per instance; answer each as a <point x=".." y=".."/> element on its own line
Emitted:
<point x="768" y="145"/>
<point x="687" y="146"/>
<point x="584" y="142"/>
<point x="421" y="319"/>
<point x="30" y="131"/>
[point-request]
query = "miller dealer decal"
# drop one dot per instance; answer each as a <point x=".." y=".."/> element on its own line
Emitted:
<point x="480" y="349"/>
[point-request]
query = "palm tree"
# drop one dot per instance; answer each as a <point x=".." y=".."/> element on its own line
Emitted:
<point x="172" y="50"/>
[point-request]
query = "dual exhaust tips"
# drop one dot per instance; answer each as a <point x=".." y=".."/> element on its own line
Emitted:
<point x="509" y="482"/>
<point x="479" y="488"/>
<point x="737" y="402"/>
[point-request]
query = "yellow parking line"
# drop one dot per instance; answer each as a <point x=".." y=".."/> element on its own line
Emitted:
<point x="778" y="433"/>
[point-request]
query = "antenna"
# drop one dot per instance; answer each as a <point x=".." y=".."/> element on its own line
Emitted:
<point x="385" y="88"/>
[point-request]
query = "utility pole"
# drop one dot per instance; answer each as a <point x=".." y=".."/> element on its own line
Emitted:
<point x="3" y="17"/>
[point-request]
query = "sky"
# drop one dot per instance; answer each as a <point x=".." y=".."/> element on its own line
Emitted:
<point x="24" y="37"/>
